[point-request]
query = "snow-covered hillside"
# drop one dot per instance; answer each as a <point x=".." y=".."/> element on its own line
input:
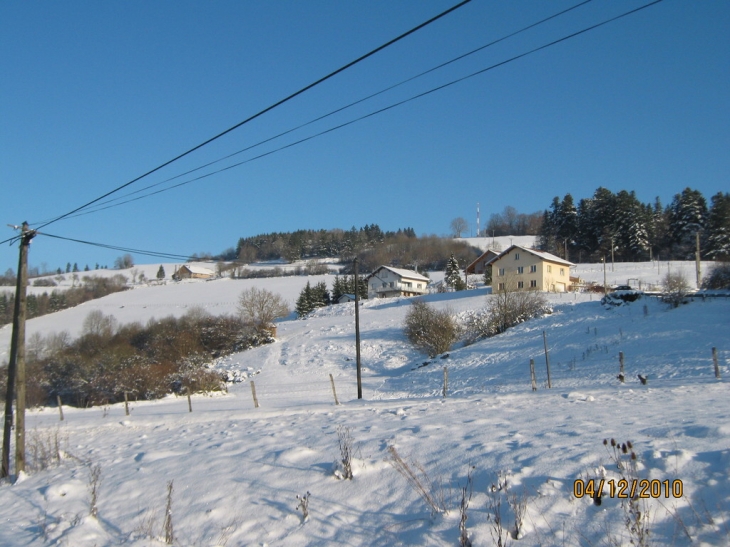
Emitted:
<point x="237" y="470"/>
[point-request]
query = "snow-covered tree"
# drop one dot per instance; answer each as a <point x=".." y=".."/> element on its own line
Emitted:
<point x="718" y="227"/>
<point x="687" y="216"/>
<point x="452" y="276"/>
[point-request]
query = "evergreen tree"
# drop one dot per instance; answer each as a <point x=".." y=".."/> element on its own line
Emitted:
<point x="161" y="272"/>
<point x="718" y="227"/>
<point x="687" y="216"/>
<point x="337" y="289"/>
<point x="452" y="275"/>
<point x="86" y="268"/>
<point x="320" y="295"/>
<point x="68" y="267"/>
<point x="76" y="267"/>
<point x="304" y="303"/>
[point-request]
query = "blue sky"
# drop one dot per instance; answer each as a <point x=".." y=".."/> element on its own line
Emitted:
<point x="93" y="94"/>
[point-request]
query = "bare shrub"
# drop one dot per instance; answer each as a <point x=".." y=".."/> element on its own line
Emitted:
<point x="259" y="307"/>
<point x="432" y="493"/>
<point x="466" y="493"/>
<point x="498" y="530"/>
<point x="44" y="449"/>
<point x="676" y="288"/>
<point x="98" y="324"/>
<point x="304" y="506"/>
<point x="511" y="306"/>
<point x="637" y="514"/>
<point x="429" y="330"/>
<point x="94" y="483"/>
<point x="346" y="449"/>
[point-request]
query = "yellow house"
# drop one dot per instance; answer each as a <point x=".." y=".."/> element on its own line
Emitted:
<point x="520" y="268"/>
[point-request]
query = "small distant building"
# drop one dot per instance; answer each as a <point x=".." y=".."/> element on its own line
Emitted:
<point x="188" y="271"/>
<point x="520" y="268"/>
<point x="346" y="298"/>
<point x="388" y="282"/>
<point x="480" y="265"/>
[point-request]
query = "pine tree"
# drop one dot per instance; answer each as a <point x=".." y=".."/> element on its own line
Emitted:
<point x="687" y="216"/>
<point x="337" y="289"/>
<point x="452" y="275"/>
<point x="718" y="227"/>
<point x="304" y="304"/>
<point x="320" y="295"/>
<point x="161" y="272"/>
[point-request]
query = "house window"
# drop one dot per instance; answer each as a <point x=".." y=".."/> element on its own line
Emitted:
<point x="533" y="268"/>
<point x="391" y="284"/>
<point x="520" y="284"/>
<point x="385" y="284"/>
<point x="501" y="272"/>
<point x="533" y="283"/>
<point x="549" y="269"/>
<point x="501" y="286"/>
<point x="517" y="256"/>
<point x="419" y="285"/>
<point x="520" y="269"/>
<point x="562" y="271"/>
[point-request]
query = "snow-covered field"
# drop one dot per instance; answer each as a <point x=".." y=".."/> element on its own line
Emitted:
<point x="237" y="470"/>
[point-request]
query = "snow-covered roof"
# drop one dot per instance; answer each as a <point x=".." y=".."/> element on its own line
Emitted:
<point x="410" y="274"/>
<point x="540" y="254"/>
<point x="198" y="270"/>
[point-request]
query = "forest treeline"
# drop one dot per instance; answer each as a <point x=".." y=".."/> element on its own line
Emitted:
<point x="371" y="245"/>
<point x="91" y="287"/>
<point x="636" y="231"/>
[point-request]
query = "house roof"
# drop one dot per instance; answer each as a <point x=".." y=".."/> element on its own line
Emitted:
<point x="540" y="254"/>
<point x="410" y="274"/>
<point x="198" y="270"/>
<point x="482" y="256"/>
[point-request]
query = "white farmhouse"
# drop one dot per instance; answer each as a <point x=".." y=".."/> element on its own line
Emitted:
<point x="386" y="282"/>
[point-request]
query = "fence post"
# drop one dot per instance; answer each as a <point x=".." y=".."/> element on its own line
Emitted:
<point x="60" y="406"/>
<point x="190" y="403"/>
<point x="547" y="359"/>
<point x="332" y="381"/>
<point x="126" y="404"/>
<point x="446" y="380"/>
<point x="532" y="375"/>
<point x="717" y="365"/>
<point x="621" y="375"/>
<point x="253" y="392"/>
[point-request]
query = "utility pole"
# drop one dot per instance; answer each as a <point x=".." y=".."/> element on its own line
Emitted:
<point x="16" y="365"/>
<point x="697" y="259"/>
<point x="357" y="330"/>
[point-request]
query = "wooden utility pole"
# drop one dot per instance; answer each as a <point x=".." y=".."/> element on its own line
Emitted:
<point x="547" y="359"/>
<point x="697" y="259"/>
<point x="16" y="365"/>
<point x="357" y="330"/>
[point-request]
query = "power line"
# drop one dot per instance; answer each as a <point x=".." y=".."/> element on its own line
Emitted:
<point x="319" y="118"/>
<point x="171" y="256"/>
<point x="265" y="110"/>
<point x="390" y="107"/>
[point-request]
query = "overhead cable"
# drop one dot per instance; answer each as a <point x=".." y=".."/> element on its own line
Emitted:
<point x="261" y="112"/>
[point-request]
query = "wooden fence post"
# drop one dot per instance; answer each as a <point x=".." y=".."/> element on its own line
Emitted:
<point x="547" y="359"/>
<point x="253" y="392"/>
<point x="60" y="406"/>
<point x="717" y="365"/>
<point x="446" y="380"/>
<point x="532" y="375"/>
<point x="190" y="403"/>
<point x="621" y="375"/>
<point x="332" y="381"/>
<point x="126" y="404"/>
